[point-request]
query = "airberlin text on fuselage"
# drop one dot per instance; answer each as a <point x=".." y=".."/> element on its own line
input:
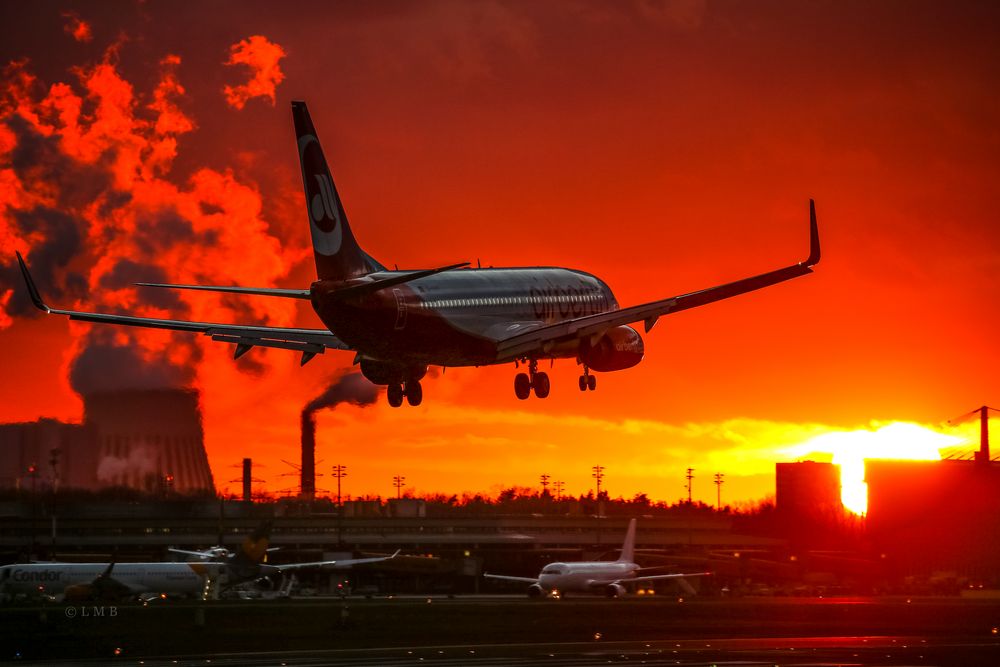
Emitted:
<point x="552" y="302"/>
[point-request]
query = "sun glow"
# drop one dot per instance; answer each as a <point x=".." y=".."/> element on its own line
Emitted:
<point x="849" y="449"/>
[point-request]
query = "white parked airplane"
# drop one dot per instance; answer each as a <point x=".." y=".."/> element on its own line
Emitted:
<point x="609" y="577"/>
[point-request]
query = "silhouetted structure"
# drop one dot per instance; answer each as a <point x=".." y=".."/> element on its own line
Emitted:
<point x="929" y="516"/>
<point x="807" y="488"/>
<point x="307" y="470"/>
<point x="25" y="449"/>
<point x="148" y="440"/>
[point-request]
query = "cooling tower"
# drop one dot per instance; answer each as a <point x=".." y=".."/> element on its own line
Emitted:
<point x="150" y="440"/>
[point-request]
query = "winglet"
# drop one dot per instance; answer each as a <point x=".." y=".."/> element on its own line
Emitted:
<point x="36" y="298"/>
<point x="814" y="254"/>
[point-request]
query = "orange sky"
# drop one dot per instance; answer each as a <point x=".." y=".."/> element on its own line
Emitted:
<point x="665" y="147"/>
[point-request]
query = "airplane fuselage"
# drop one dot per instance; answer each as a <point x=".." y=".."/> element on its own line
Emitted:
<point x="583" y="577"/>
<point x="455" y="318"/>
<point x="55" y="578"/>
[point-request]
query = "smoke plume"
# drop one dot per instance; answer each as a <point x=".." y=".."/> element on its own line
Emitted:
<point x="88" y="195"/>
<point x="349" y="388"/>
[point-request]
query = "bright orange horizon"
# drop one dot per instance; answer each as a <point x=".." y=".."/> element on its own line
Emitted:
<point x="664" y="148"/>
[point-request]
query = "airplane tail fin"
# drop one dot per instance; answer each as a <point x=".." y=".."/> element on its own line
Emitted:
<point x="628" y="547"/>
<point x="254" y="549"/>
<point x="338" y="255"/>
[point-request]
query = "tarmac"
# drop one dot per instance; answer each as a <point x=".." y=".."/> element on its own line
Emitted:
<point x="496" y="630"/>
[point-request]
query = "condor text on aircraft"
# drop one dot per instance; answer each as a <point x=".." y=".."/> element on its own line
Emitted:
<point x="609" y="577"/>
<point x="397" y="323"/>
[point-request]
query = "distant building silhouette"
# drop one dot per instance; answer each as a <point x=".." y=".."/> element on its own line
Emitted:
<point x="807" y="488"/>
<point x="929" y="516"/>
<point x="149" y="440"/>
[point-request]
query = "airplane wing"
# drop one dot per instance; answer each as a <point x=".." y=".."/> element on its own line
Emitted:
<point x="200" y="554"/>
<point x="649" y="577"/>
<point x="334" y="563"/>
<point x="539" y="341"/>
<point x="502" y="577"/>
<point x="309" y="342"/>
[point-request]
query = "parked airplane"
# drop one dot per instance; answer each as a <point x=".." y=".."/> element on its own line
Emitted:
<point x="399" y="322"/>
<point x="609" y="577"/>
<point x="248" y="562"/>
<point x="107" y="581"/>
<point x="79" y="582"/>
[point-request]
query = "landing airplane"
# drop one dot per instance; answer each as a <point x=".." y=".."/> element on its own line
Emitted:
<point x="609" y="577"/>
<point x="400" y="322"/>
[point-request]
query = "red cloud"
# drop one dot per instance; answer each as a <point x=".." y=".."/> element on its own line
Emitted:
<point x="77" y="27"/>
<point x="261" y="56"/>
<point x="92" y="203"/>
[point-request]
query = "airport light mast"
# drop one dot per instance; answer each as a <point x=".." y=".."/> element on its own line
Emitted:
<point x="558" y="486"/>
<point x="598" y="474"/>
<point x="397" y="481"/>
<point x="718" y="490"/>
<point x="544" y="479"/>
<point x="339" y="471"/>
<point x="689" y="477"/>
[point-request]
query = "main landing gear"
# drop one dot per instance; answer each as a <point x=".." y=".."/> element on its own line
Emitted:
<point x="411" y="389"/>
<point x="587" y="381"/>
<point x="533" y="380"/>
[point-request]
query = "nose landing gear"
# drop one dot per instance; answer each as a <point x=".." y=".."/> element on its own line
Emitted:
<point x="533" y="380"/>
<point x="587" y="381"/>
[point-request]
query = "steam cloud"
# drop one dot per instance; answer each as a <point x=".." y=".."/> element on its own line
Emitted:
<point x="262" y="57"/>
<point x="86" y="195"/>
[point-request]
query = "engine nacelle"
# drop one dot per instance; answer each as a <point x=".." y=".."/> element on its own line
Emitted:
<point x="381" y="372"/>
<point x="535" y="591"/>
<point x="614" y="591"/>
<point x="616" y="350"/>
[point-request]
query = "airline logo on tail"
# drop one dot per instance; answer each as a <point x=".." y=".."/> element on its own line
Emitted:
<point x="324" y="221"/>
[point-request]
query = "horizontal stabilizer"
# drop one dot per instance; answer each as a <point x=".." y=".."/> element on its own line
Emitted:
<point x="356" y="291"/>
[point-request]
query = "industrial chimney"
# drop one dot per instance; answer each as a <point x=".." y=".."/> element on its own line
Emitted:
<point x="307" y="479"/>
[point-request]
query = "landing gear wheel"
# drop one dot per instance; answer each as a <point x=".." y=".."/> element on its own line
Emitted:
<point x="541" y="385"/>
<point x="394" y="393"/>
<point x="583" y="383"/>
<point x="591" y="382"/>
<point x="414" y="393"/>
<point x="522" y="386"/>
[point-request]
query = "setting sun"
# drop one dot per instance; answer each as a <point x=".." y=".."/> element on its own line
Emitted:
<point x="849" y="449"/>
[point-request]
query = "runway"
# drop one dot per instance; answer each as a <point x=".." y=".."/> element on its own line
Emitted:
<point x="482" y="631"/>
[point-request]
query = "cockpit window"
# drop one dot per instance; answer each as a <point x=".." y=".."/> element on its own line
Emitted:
<point x="553" y="568"/>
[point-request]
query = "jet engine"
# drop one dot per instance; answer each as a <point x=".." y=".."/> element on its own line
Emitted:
<point x="616" y="350"/>
<point x="614" y="591"/>
<point x="535" y="591"/>
<point x="382" y="372"/>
